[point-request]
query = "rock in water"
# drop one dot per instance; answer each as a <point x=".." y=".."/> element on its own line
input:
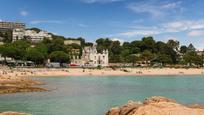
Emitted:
<point x="13" y="113"/>
<point x="155" y="106"/>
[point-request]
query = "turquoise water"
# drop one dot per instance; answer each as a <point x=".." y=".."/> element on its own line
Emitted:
<point x="95" y="95"/>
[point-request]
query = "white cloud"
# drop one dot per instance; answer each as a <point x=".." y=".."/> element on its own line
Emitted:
<point x="169" y="27"/>
<point x="82" y="25"/>
<point x="139" y="32"/>
<point x="196" y="33"/>
<point x="23" y="13"/>
<point x="153" y="8"/>
<point x="184" y="25"/>
<point x="170" y="5"/>
<point x="100" y="1"/>
<point x="45" y="21"/>
<point x="1" y="20"/>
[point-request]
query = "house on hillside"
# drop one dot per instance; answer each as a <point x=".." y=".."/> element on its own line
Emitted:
<point x="36" y="37"/>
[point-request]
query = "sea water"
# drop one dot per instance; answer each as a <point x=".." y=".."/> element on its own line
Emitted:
<point x="95" y="95"/>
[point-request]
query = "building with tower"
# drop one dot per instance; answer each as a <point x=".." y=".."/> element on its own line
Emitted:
<point x="91" y="58"/>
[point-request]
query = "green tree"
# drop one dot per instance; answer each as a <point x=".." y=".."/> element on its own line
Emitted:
<point x="100" y="41"/>
<point x="100" y="48"/>
<point x="192" y="57"/>
<point x="191" y="48"/>
<point x="135" y="50"/>
<point x="133" y="58"/>
<point x="183" y="49"/>
<point x="124" y="55"/>
<point x="126" y="45"/>
<point x="33" y="54"/>
<point x="20" y="47"/>
<point x="21" y="44"/>
<point x="42" y="48"/>
<point x="164" y="59"/>
<point x="160" y="47"/>
<point x="163" y="48"/>
<point x="147" y="55"/>
<point x="56" y="44"/>
<point x="35" y="29"/>
<point x="148" y="43"/>
<point x="107" y="43"/>
<point x="75" y="46"/>
<point x="116" y="48"/>
<point x="136" y="46"/>
<point x="103" y="43"/>
<point x="174" y="44"/>
<point x="59" y="56"/>
<point x="88" y="44"/>
<point x="46" y="41"/>
<point x="82" y="41"/>
<point x="8" y="51"/>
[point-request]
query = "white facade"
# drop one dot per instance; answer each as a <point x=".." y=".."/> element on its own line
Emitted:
<point x="18" y="34"/>
<point x="37" y="36"/>
<point x="31" y="34"/>
<point x="91" y="57"/>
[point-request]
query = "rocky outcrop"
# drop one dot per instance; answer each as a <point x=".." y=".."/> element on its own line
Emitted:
<point x="13" y="113"/>
<point x="155" y="106"/>
<point x="22" y="85"/>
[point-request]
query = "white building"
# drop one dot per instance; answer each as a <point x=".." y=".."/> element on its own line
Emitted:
<point x="90" y="57"/>
<point x="18" y="34"/>
<point x="37" y="36"/>
<point x="18" y="29"/>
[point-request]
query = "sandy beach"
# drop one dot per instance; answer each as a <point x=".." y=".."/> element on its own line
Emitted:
<point x="14" y="81"/>
<point x="24" y="73"/>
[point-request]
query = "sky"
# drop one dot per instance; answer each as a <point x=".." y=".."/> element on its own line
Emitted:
<point x="124" y="20"/>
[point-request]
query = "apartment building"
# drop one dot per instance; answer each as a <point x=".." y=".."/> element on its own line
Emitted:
<point x="18" y="29"/>
<point x="37" y="36"/>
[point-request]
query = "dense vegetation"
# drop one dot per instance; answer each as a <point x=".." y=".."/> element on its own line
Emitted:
<point x="146" y="50"/>
<point x="55" y="50"/>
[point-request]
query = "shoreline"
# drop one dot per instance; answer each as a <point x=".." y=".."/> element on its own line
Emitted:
<point x="20" y="79"/>
<point x="155" y="75"/>
<point x="11" y="82"/>
<point x="107" y="72"/>
<point x="25" y="73"/>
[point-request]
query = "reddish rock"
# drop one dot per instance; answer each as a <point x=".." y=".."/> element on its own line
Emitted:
<point x="155" y="106"/>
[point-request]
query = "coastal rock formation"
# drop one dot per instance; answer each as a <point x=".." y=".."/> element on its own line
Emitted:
<point x="19" y="85"/>
<point x="155" y="106"/>
<point x="13" y="113"/>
